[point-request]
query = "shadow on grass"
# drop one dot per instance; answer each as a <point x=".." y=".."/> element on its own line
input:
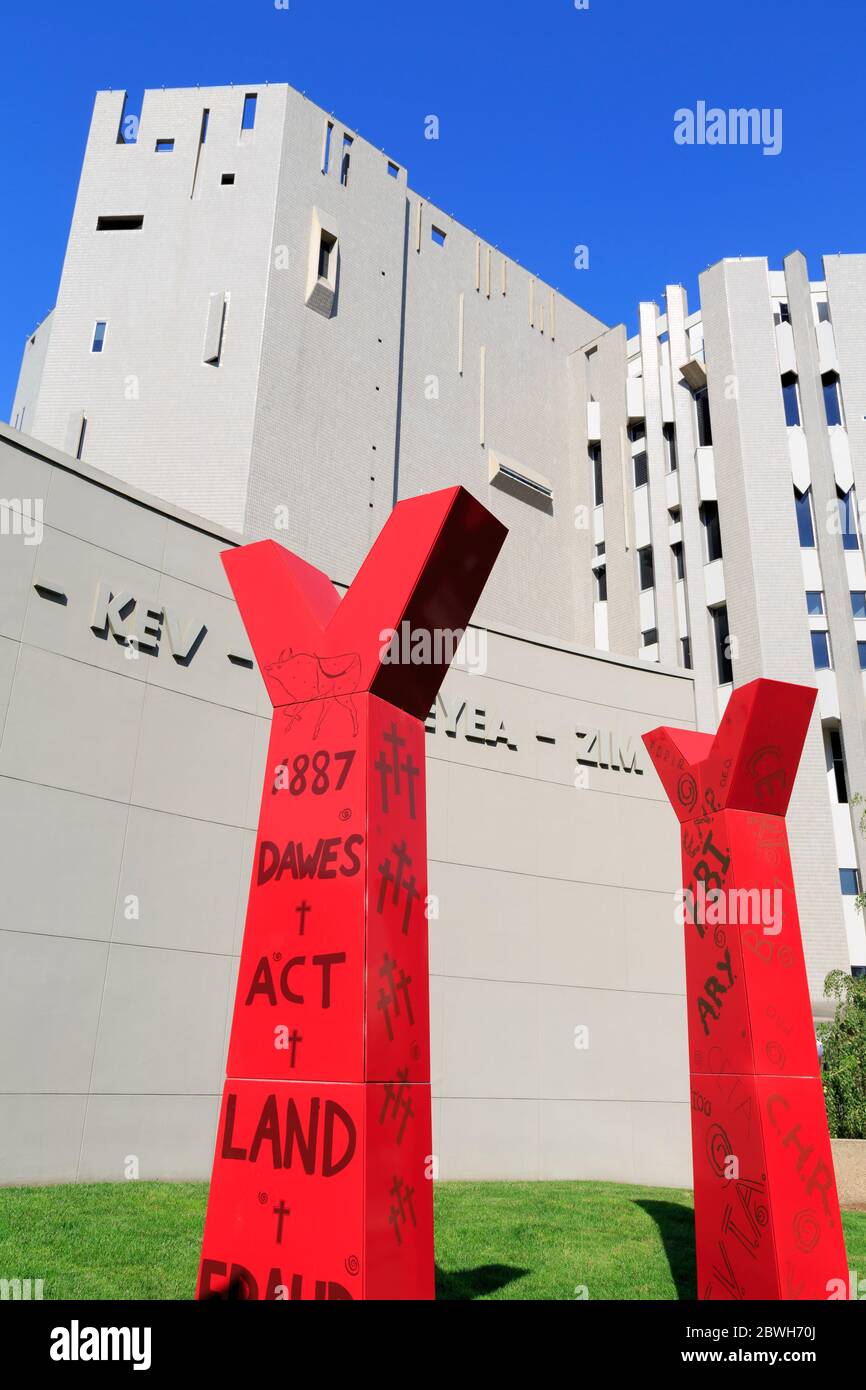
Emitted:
<point x="676" y="1226"/>
<point x="466" y="1284"/>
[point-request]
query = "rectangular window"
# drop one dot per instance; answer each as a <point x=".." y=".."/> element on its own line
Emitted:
<point x="832" y="400"/>
<point x="645" y="567"/>
<point x="670" y="436"/>
<point x="597" y="476"/>
<point x="722" y="637"/>
<point x="814" y="603"/>
<point x="790" y="399"/>
<point x="679" y="562"/>
<point x="821" y="650"/>
<point x="686" y="647"/>
<point x="849" y="882"/>
<point x="132" y="222"/>
<point x="847" y="519"/>
<point x="858" y="603"/>
<point x="326" y="146"/>
<point x="640" y="469"/>
<point x="227" y="178"/>
<point x="393" y="169"/>
<point x="837" y="759"/>
<point x="205" y="117"/>
<point x="437" y="235"/>
<point x="637" y="431"/>
<point x="601" y="584"/>
<point x="702" y="411"/>
<point x="249" y="117"/>
<point x="346" y="160"/>
<point x="709" y="514"/>
<point x="98" y="336"/>
<point x="803" y="503"/>
<point x="164" y="146"/>
<point x="784" y="313"/>
<point x="650" y="637"/>
<point x="326" y="252"/>
<point x="861" y="653"/>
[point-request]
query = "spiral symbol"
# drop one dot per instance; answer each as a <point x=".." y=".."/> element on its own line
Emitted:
<point x="807" y="1230"/>
<point x="278" y="955"/>
<point x="718" y="1150"/>
<point x="719" y="937"/>
<point x="345" y="814"/>
<point x="263" y="1197"/>
<point x="775" y="1053"/>
<point x="353" y="1264"/>
<point x="687" y="791"/>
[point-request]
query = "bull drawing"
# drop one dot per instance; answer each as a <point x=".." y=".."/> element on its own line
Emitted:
<point x="311" y="681"/>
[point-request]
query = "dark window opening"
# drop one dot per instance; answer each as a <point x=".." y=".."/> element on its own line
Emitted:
<point x="861" y="655"/>
<point x="326" y="152"/>
<point x="640" y="469"/>
<point x="645" y="567"/>
<point x="437" y="235"/>
<point x="849" y="882"/>
<point x="847" y="518"/>
<point x="702" y="409"/>
<point x="686" y="645"/>
<point x="832" y="399"/>
<point x="98" y="336"/>
<point x="709" y="514"/>
<point x="805" y="526"/>
<point x="784" y="313"/>
<point x="601" y="584"/>
<point x="205" y="117"/>
<point x="670" y="436"/>
<point x="326" y="251"/>
<point x="130" y="223"/>
<point x="637" y="430"/>
<point x="650" y="637"/>
<point x="837" y="759"/>
<point x="346" y="160"/>
<point x="597" y="476"/>
<point x="164" y="146"/>
<point x="679" y="561"/>
<point x="81" y="437"/>
<point x="814" y="603"/>
<point x="227" y="178"/>
<point x="393" y="169"/>
<point x="722" y="637"/>
<point x="790" y="399"/>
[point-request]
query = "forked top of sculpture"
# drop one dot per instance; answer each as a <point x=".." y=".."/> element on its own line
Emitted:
<point x="751" y="762"/>
<point x="423" y="575"/>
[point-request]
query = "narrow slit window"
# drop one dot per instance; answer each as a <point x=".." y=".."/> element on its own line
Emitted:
<point x="128" y="223"/>
<point x="437" y="235"/>
<point x="81" y="437"/>
<point x="205" y="118"/>
<point x="98" y="342"/>
<point x="249" y="116"/>
<point x="326" y="146"/>
<point x="327" y="246"/>
<point x="164" y="146"/>
<point x="213" y="336"/>
<point x="346" y="160"/>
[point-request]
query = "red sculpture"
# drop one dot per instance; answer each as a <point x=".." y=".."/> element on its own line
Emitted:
<point x="321" y="1181"/>
<point x="767" y="1220"/>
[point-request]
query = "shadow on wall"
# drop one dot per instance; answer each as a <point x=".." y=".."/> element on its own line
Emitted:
<point x="676" y="1226"/>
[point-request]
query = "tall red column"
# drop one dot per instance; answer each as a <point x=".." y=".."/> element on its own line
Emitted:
<point x="767" y="1221"/>
<point x="321" y="1181"/>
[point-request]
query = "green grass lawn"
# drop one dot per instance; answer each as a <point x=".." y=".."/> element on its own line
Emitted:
<point x="493" y="1240"/>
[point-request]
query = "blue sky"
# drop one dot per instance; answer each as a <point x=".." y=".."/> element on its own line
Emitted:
<point x="556" y="124"/>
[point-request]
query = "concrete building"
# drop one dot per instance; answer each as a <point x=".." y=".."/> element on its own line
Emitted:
<point x="261" y="324"/>
<point x="725" y="455"/>
<point x="133" y="743"/>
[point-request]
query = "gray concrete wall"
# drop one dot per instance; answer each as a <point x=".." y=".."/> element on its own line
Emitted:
<point x="129" y="797"/>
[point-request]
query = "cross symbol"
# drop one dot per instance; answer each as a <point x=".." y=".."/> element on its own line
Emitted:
<point x="281" y="1212"/>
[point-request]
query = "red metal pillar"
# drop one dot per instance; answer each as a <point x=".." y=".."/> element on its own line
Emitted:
<point x="321" y="1181"/>
<point x="767" y="1221"/>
